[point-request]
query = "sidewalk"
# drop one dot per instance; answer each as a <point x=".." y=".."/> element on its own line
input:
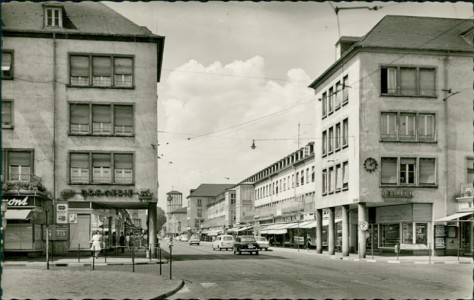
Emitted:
<point x="382" y="258"/>
<point x="84" y="261"/>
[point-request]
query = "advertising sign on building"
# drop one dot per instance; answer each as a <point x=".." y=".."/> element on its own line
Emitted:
<point x="62" y="213"/>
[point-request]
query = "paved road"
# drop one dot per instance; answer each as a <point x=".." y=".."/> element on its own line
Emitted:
<point x="289" y="274"/>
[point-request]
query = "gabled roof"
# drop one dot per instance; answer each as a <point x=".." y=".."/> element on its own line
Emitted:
<point x="411" y="33"/>
<point x="210" y="190"/>
<point x="84" y="20"/>
<point x="87" y="17"/>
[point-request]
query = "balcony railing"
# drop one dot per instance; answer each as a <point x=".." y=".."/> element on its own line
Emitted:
<point x="29" y="182"/>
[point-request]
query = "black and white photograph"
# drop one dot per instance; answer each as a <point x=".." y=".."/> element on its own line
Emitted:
<point x="237" y="150"/>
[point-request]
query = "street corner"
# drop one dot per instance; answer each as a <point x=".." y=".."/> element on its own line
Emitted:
<point x="179" y="284"/>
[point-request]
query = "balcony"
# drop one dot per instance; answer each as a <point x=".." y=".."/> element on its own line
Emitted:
<point x="465" y="197"/>
<point x="25" y="182"/>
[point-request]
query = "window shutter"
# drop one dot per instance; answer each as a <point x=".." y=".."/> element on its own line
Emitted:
<point x="427" y="82"/>
<point x="101" y="113"/>
<point x="101" y="160"/>
<point x="19" y="158"/>
<point x="123" y="115"/>
<point x="79" y="113"/>
<point x="80" y="160"/>
<point x="427" y="171"/>
<point x="80" y="66"/>
<point x="389" y="171"/>
<point x="102" y="66"/>
<point x="408" y="81"/>
<point x="123" y="66"/>
<point x="123" y="161"/>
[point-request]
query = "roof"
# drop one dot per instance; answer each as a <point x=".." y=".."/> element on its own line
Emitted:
<point x="90" y="20"/>
<point x="412" y="33"/>
<point x="210" y="190"/>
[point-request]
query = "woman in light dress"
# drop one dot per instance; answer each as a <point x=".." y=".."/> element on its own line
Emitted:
<point x="95" y="241"/>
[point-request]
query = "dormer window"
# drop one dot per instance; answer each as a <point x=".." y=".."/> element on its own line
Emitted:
<point x="53" y="17"/>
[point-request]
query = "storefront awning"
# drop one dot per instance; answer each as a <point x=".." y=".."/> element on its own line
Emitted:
<point x="18" y="214"/>
<point x="277" y="231"/>
<point x="454" y="216"/>
<point x="245" y="228"/>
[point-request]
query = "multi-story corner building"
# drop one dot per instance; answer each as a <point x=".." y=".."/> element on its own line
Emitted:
<point x="394" y="138"/>
<point x="284" y="192"/>
<point x="208" y="208"/>
<point x="79" y="115"/>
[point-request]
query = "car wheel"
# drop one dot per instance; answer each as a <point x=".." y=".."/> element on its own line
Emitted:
<point x="256" y="253"/>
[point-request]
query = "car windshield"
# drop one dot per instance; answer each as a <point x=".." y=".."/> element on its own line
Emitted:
<point x="227" y="238"/>
<point x="261" y="239"/>
<point x="247" y="239"/>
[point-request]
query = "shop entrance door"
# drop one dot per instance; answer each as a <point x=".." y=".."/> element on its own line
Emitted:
<point x="80" y="233"/>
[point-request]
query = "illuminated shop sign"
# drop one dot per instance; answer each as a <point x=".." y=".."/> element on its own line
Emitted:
<point x="387" y="193"/>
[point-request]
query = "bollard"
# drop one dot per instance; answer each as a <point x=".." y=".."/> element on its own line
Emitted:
<point x="429" y="253"/>
<point x="105" y="254"/>
<point x="93" y="257"/>
<point x="133" y="258"/>
<point x="52" y="251"/>
<point x="159" y="249"/>
<point x="171" y="259"/>
<point x="78" y="252"/>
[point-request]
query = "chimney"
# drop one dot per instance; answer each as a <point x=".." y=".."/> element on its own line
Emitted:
<point x="344" y="44"/>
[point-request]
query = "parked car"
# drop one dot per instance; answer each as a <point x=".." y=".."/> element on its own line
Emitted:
<point x="245" y="243"/>
<point x="262" y="243"/>
<point x="223" y="242"/>
<point x="194" y="240"/>
<point x="184" y="238"/>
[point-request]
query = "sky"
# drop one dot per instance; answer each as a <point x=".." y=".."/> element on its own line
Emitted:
<point x="237" y="72"/>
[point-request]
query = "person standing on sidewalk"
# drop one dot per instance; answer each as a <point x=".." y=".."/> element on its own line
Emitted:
<point x="95" y="244"/>
<point x="127" y="241"/>
<point x="122" y="242"/>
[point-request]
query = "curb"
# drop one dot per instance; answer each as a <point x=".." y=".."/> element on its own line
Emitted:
<point x="170" y="293"/>
<point x="78" y="264"/>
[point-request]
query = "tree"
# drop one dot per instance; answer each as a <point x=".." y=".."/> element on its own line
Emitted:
<point x="160" y="218"/>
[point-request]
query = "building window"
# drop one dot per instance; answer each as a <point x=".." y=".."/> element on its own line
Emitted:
<point x="7" y="114"/>
<point x="338" y="137"/>
<point x="331" y="100"/>
<point x="338" y="178"/>
<point x="408" y="171"/>
<point x="324" y="102"/>
<point x="407" y="233"/>
<point x="199" y="212"/>
<point x="199" y="202"/>
<point x="312" y="174"/>
<point x="106" y="119"/>
<point x="345" y="90"/>
<point x="338" y="97"/>
<point x="105" y="70"/>
<point x="307" y="175"/>
<point x="331" y="180"/>
<point x="330" y="140"/>
<point x="325" y="181"/>
<point x="345" y="132"/>
<point x="345" y="175"/>
<point x="103" y="165"/>
<point x="408" y="81"/>
<point x="325" y="142"/>
<point x="302" y="177"/>
<point x="400" y="126"/>
<point x="7" y="65"/>
<point x="297" y="178"/>
<point x="19" y="164"/>
<point x="53" y="17"/>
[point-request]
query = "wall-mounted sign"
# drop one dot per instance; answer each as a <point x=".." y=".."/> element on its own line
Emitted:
<point x="57" y="232"/>
<point x="18" y="201"/>
<point x="107" y="193"/>
<point x="61" y="213"/>
<point x="72" y="218"/>
<point x="396" y="193"/>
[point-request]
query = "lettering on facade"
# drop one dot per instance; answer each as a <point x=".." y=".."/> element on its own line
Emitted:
<point x="107" y="193"/>
<point x="397" y="193"/>
<point x="18" y="202"/>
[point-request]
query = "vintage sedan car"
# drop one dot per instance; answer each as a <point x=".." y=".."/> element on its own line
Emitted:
<point x="194" y="240"/>
<point x="262" y="242"/>
<point x="184" y="238"/>
<point x="245" y="243"/>
<point x="223" y="242"/>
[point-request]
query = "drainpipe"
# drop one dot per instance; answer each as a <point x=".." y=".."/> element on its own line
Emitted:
<point x="446" y="115"/>
<point x="54" y="113"/>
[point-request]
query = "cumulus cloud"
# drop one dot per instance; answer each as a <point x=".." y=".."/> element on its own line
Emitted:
<point x="236" y="103"/>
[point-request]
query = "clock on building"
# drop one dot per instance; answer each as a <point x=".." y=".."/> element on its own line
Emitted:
<point x="370" y="164"/>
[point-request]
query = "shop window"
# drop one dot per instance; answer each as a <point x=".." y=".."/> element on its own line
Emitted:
<point x="105" y="119"/>
<point x="19" y="164"/>
<point x="389" y="235"/>
<point x="7" y="114"/>
<point x="408" y="81"/>
<point x="421" y="233"/>
<point x="407" y="233"/>
<point x="104" y="70"/>
<point x="7" y="64"/>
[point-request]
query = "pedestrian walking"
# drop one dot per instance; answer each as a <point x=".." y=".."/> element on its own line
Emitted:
<point x="95" y="244"/>
<point x="127" y="241"/>
<point x="122" y="242"/>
